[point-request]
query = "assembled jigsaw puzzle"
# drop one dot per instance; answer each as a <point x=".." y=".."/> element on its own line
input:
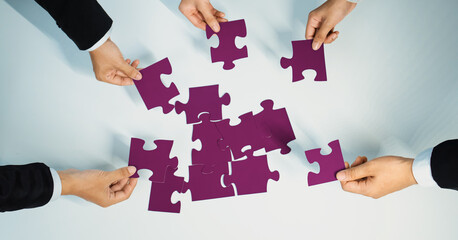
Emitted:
<point x="227" y="52"/>
<point x="304" y="58"/>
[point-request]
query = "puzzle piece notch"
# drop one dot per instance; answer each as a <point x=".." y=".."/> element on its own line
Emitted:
<point x="205" y="186"/>
<point x="161" y="193"/>
<point x="227" y="51"/>
<point x="329" y="164"/>
<point x="246" y="133"/>
<point x="210" y="154"/>
<point x="275" y="127"/>
<point x="203" y="99"/>
<point x="153" y="92"/>
<point x="251" y="176"/>
<point x="156" y="160"/>
<point x="304" y="58"/>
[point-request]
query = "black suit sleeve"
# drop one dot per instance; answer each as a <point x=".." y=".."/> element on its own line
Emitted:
<point x="84" y="21"/>
<point x="25" y="186"/>
<point x="444" y="164"/>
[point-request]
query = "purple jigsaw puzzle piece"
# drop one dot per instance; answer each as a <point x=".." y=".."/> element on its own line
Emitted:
<point x="227" y="51"/>
<point x="251" y="175"/>
<point x="304" y="58"/>
<point x="276" y="127"/>
<point x="329" y="164"/>
<point x="151" y="88"/>
<point x="241" y="135"/>
<point x="205" y="186"/>
<point x="161" y="193"/>
<point x="210" y="154"/>
<point x="156" y="160"/>
<point x="203" y="99"/>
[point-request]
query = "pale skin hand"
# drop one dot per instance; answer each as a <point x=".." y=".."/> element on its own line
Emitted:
<point x="201" y="12"/>
<point x="100" y="187"/>
<point x="378" y="177"/>
<point x="321" y="21"/>
<point x="110" y="67"/>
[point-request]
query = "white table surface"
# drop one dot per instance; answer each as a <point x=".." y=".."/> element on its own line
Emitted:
<point x="392" y="89"/>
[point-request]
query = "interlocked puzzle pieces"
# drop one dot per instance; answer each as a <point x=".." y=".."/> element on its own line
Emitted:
<point x="329" y="164"/>
<point x="203" y="99"/>
<point x="304" y="57"/>
<point x="227" y="51"/>
<point x="270" y="129"/>
<point x="156" y="160"/>
<point x="207" y="185"/>
<point x="161" y="193"/>
<point x="251" y="175"/>
<point x="151" y="88"/>
<point x="210" y="154"/>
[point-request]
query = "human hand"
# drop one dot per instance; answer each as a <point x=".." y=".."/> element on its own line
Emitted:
<point x="109" y="65"/>
<point x="378" y="177"/>
<point x="321" y="21"/>
<point x="201" y="12"/>
<point x="100" y="187"/>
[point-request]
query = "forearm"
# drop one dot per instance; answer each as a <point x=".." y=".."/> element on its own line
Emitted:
<point x="25" y="186"/>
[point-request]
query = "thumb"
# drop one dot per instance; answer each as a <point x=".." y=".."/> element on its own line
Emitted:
<point x="130" y="71"/>
<point x="321" y="35"/>
<point x="124" y="172"/>
<point x="354" y="173"/>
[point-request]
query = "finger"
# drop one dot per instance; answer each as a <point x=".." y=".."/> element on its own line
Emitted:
<point x="358" y="161"/>
<point x="126" y="191"/>
<point x="358" y="187"/>
<point x="208" y="11"/>
<point x="119" y="184"/>
<point x="354" y="173"/>
<point x="321" y="34"/>
<point x="120" y="80"/>
<point x="331" y="37"/>
<point x="122" y="173"/>
<point x="312" y="25"/>
<point x="197" y="21"/>
<point x="347" y="165"/>
<point x="128" y="61"/>
<point x="220" y="20"/>
<point x="130" y="71"/>
<point x="135" y="63"/>
<point x="219" y="14"/>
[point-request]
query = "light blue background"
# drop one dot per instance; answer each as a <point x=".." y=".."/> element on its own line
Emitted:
<point x="392" y="89"/>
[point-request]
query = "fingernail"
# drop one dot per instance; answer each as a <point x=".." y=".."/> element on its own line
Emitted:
<point x="334" y="37"/>
<point x="138" y="77"/>
<point x="341" y="176"/>
<point x="215" y="27"/>
<point x="131" y="169"/>
<point x="316" y="46"/>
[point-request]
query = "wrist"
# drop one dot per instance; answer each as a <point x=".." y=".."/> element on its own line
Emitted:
<point x="412" y="180"/>
<point x="68" y="182"/>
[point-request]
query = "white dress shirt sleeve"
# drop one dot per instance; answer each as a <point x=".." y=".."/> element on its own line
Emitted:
<point x="421" y="169"/>
<point x="57" y="185"/>
<point x="101" y="41"/>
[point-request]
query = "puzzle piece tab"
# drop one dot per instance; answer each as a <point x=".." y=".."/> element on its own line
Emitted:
<point x="304" y="58"/>
<point x="251" y="175"/>
<point x="241" y="135"/>
<point x="161" y="193"/>
<point x="275" y="126"/>
<point x="156" y="160"/>
<point x="227" y="51"/>
<point x="203" y="99"/>
<point x="210" y="154"/>
<point x="151" y="88"/>
<point x="207" y="185"/>
<point x="329" y="164"/>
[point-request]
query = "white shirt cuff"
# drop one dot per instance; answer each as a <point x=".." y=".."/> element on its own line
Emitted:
<point x="421" y="169"/>
<point x="57" y="185"/>
<point x="101" y="41"/>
